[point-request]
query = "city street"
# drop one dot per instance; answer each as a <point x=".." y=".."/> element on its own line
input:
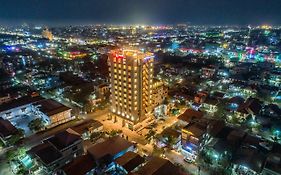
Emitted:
<point x="40" y="136"/>
<point x="145" y="148"/>
<point x="177" y="158"/>
<point x="108" y="125"/>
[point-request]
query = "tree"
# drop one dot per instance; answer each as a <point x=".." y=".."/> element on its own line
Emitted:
<point x="36" y="124"/>
<point x="95" y="135"/>
<point x="171" y="141"/>
<point x="275" y="139"/>
<point x="12" y="154"/>
<point x="166" y="101"/>
<point x="113" y="133"/>
<point x="157" y="151"/>
<point x="16" y="137"/>
<point x="203" y="159"/>
<point x="150" y="135"/>
<point x="88" y="107"/>
<point x="221" y="112"/>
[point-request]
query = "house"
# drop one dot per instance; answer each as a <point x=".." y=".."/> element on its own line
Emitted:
<point x="273" y="161"/>
<point x="87" y="127"/>
<point x="193" y="137"/>
<point x="50" y="111"/>
<point x="218" y="95"/>
<point x="248" y="160"/>
<point x="167" y="137"/>
<point x="272" y="165"/>
<point x="4" y="98"/>
<point x="273" y="110"/>
<point x="102" y="89"/>
<point x="200" y="97"/>
<point x="129" y="162"/>
<point x="188" y="116"/>
<point x="6" y="130"/>
<point x="252" y="106"/>
<point x="158" y="166"/>
<point x="224" y="140"/>
<point x="56" y="112"/>
<point x="104" y="153"/>
<point x="210" y="104"/>
<point x="81" y="165"/>
<point x="58" y="150"/>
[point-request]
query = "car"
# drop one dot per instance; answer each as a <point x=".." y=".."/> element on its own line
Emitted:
<point x="188" y="160"/>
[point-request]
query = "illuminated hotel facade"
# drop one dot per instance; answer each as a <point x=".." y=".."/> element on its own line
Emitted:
<point x="131" y="79"/>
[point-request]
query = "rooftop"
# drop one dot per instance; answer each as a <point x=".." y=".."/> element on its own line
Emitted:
<point x="6" y="128"/>
<point x="170" y="132"/>
<point x="252" y="104"/>
<point x="79" y="166"/>
<point x="129" y="161"/>
<point x="273" y="163"/>
<point x="190" y="115"/>
<point x="111" y="147"/>
<point x="250" y="157"/>
<point x="20" y="102"/>
<point x="64" y="139"/>
<point x="46" y="152"/>
<point x="51" y="107"/>
<point x="159" y="166"/>
<point x="195" y="129"/>
<point x="134" y="53"/>
<point x="85" y="125"/>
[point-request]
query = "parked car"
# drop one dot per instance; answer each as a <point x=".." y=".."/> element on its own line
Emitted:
<point x="188" y="160"/>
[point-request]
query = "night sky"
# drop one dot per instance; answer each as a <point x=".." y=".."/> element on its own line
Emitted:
<point x="141" y="11"/>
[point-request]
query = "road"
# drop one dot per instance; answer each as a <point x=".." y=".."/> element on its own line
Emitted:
<point x="101" y="115"/>
<point x="177" y="158"/>
<point x="36" y="138"/>
<point x="143" y="145"/>
<point x="108" y="125"/>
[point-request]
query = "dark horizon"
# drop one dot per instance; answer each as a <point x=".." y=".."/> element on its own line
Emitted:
<point x="199" y="12"/>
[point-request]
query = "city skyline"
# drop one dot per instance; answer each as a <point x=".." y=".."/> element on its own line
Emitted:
<point x="131" y="87"/>
<point x="218" y="12"/>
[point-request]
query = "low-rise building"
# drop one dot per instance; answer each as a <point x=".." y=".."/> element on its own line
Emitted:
<point x="188" y="116"/>
<point x="169" y="137"/>
<point x="81" y="165"/>
<point x="88" y="127"/>
<point x="50" y="111"/>
<point x="104" y="153"/>
<point x="158" y="166"/>
<point x="210" y="105"/>
<point x="128" y="162"/>
<point x="6" y="130"/>
<point x="272" y="165"/>
<point x="56" y="112"/>
<point x="252" y="106"/>
<point x="58" y="150"/>
<point x="4" y="98"/>
<point x="193" y="137"/>
<point x="18" y="107"/>
<point x="248" y="160"/>
<point x="208" y="72"/>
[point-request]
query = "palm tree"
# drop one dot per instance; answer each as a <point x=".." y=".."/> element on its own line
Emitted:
<point x="276" y="139"/>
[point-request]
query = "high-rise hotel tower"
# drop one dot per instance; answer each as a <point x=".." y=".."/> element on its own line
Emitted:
<point x="131" y="79"/>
